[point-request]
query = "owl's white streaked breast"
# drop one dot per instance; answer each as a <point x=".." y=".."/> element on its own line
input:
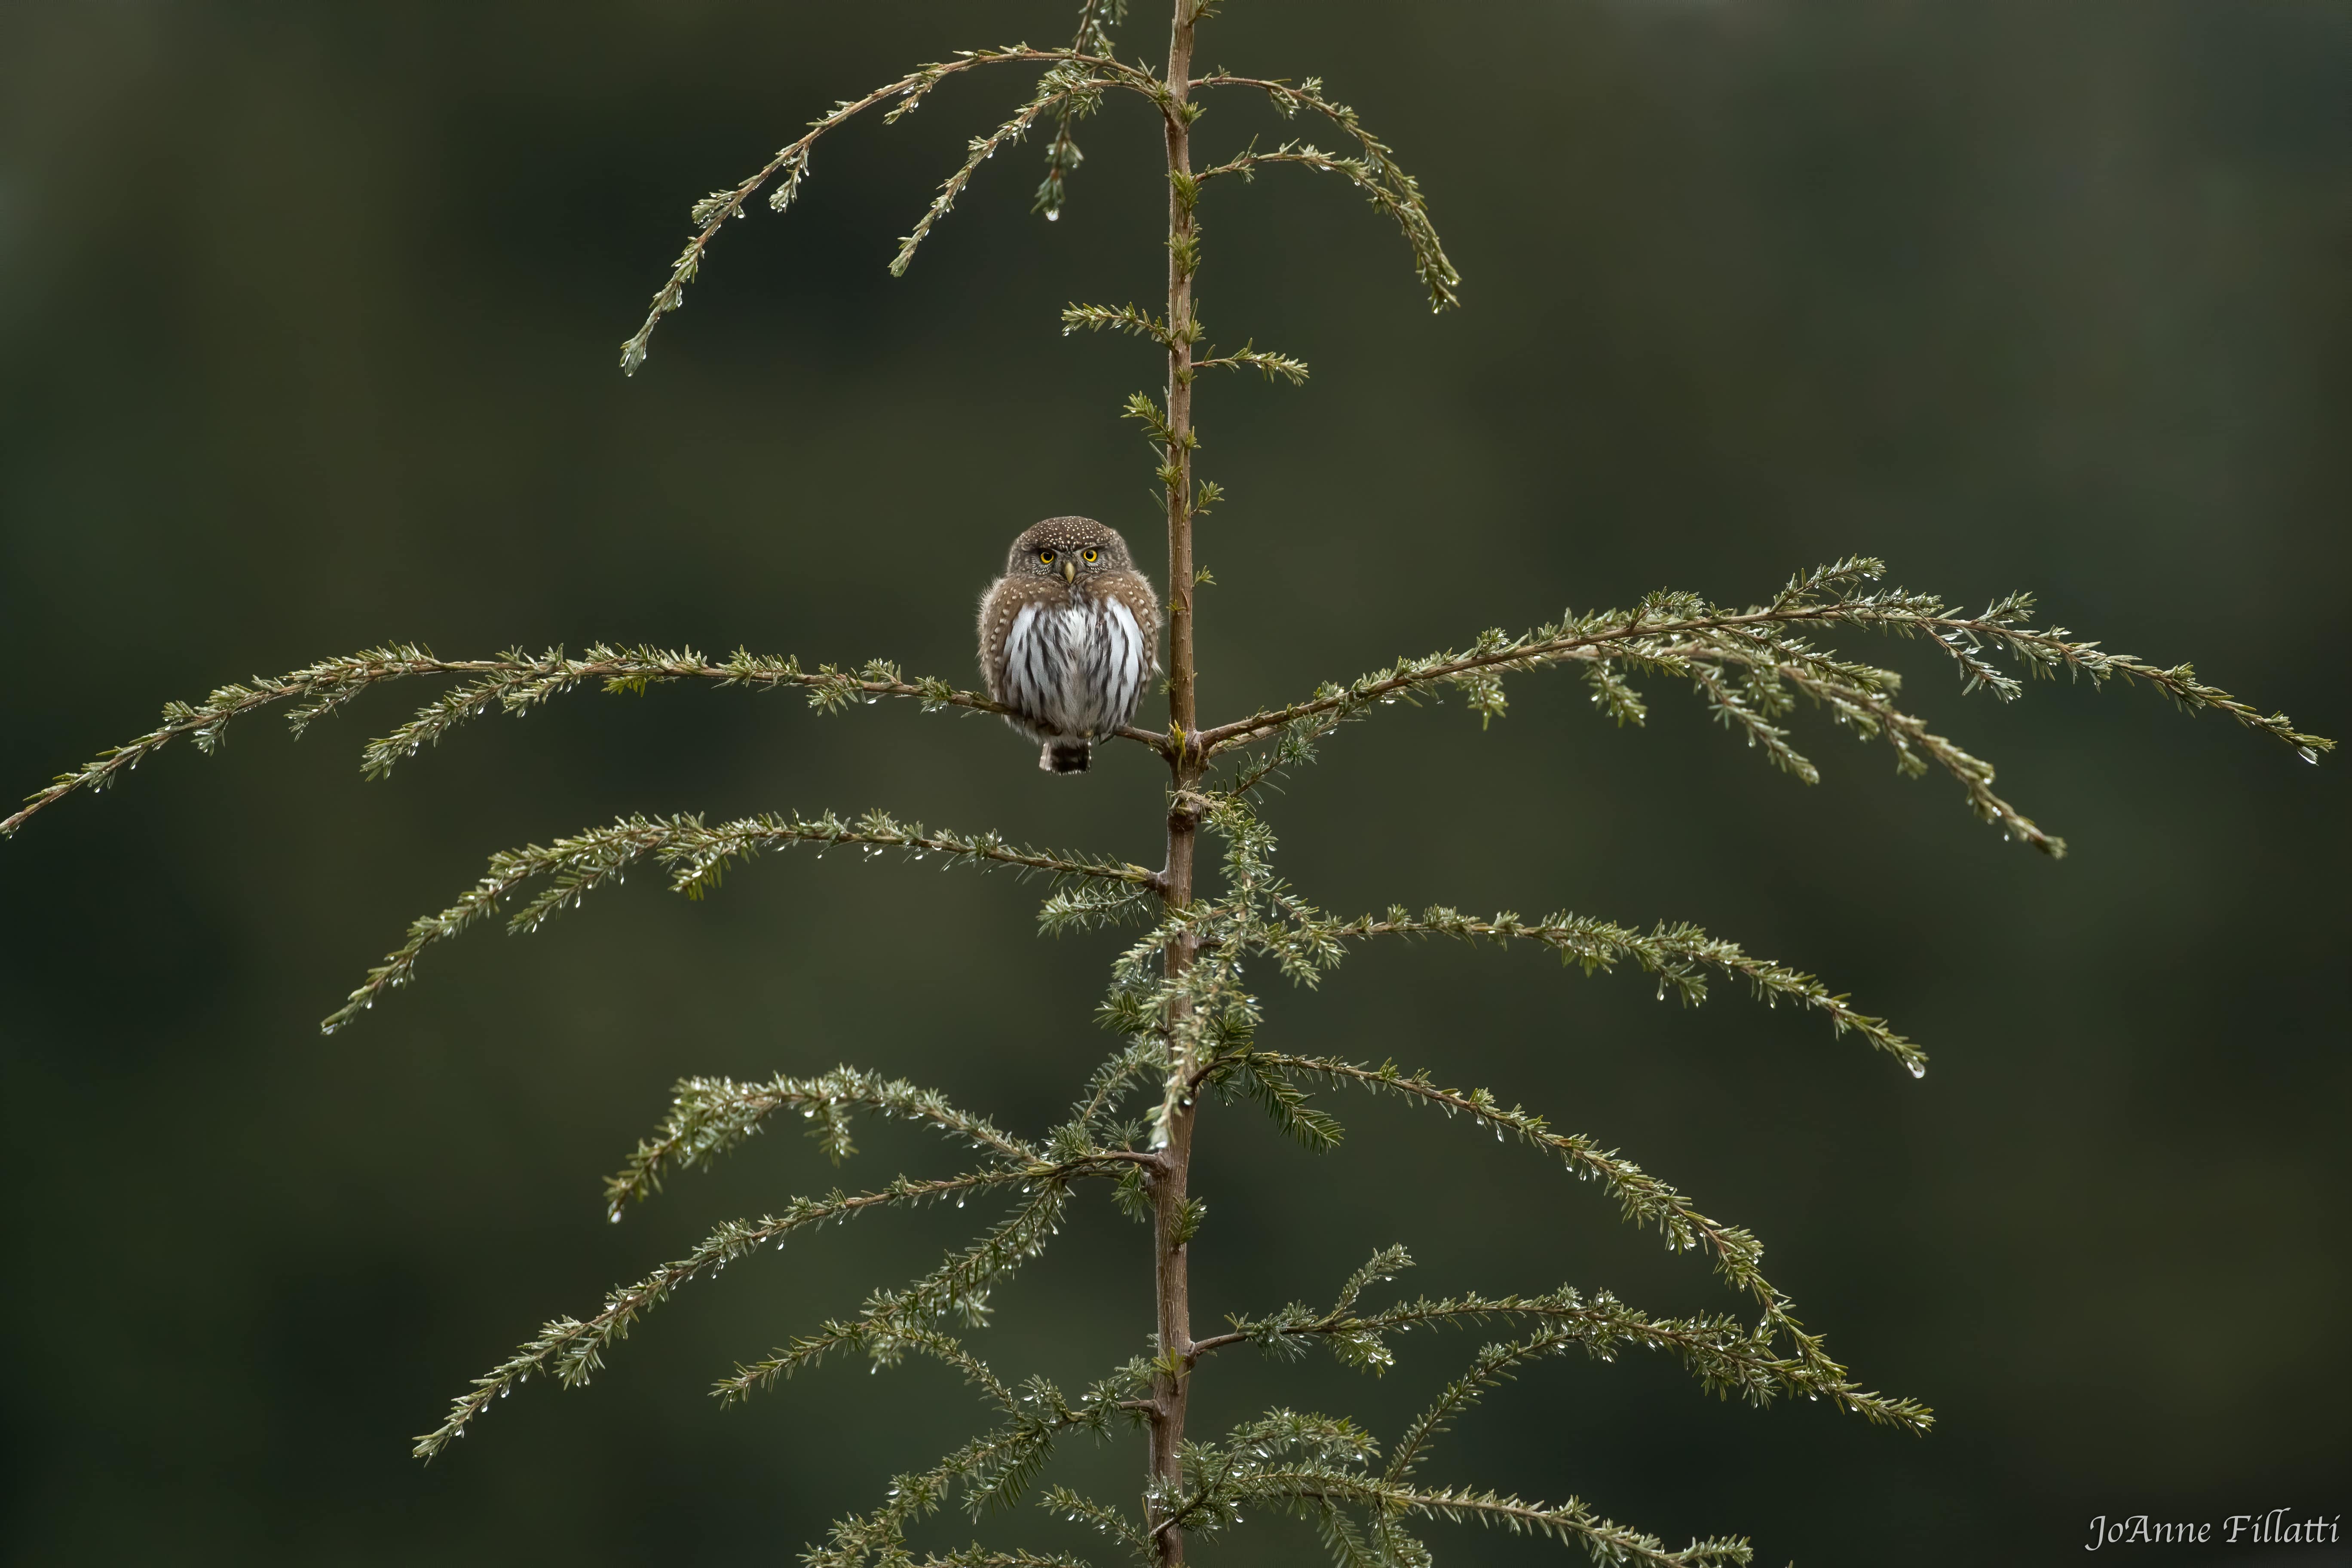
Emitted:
<point x="1078" y="669"/>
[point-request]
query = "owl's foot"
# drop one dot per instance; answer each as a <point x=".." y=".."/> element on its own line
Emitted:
<point x="1065" y="756"/>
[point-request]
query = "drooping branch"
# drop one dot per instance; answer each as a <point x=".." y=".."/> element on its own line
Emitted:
<point x="1374" y="170"/>
<point x="791" y="164"/>
<point x="695" y="857"/>
<point x="710" y="1116"/>
<point x="315" y="691"/>
<point x="893" y="1322"/>
<point x="1744" y="662"/>
<point x="515" y="682"/>
<point x="572" y="1349"/>
<point x="1258" y="915"/>
<point x="1725" y="1354"/>
<point x="1677" y="955"/>
<point x="1403" y="207"/>
<point x="1642" y="1199"/>
<point x="1652" y="636"/>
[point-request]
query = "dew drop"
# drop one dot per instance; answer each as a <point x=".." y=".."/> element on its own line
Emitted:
<point x="1918" y="1069"/>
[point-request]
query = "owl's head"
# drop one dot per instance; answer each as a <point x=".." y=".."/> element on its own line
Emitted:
<point x="1068" y="548"/>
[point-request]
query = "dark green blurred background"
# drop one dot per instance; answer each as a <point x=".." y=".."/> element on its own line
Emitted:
<point x="308" y="323"/>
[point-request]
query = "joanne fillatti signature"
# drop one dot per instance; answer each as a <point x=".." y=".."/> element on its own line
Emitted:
<point x="2277" y="1528"/>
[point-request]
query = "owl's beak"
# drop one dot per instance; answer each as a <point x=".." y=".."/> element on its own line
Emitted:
<point x="1069" y="571"/>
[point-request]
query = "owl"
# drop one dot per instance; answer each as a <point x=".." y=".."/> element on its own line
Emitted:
<point x="1068" y="636"/>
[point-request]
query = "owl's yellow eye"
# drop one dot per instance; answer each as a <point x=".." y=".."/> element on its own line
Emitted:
<point x="1046" y="557"/>
<point x="1090" y="556"/>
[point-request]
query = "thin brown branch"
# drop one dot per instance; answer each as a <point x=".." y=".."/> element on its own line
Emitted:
<point x="1170" y="1208"/>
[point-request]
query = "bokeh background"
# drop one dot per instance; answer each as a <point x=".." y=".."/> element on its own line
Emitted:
<point x="308" y="325"/>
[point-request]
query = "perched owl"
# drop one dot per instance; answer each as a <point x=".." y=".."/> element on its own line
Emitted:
<point x="1068" y="636"/>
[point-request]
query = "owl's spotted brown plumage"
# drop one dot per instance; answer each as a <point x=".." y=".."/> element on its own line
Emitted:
<point x="1069" y="637"/>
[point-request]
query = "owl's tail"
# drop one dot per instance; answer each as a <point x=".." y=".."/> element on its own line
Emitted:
<point x="1065" y="756"/>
